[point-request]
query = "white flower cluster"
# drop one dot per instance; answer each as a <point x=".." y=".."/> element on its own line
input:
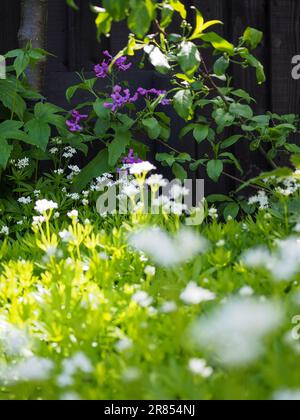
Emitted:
<point x="4" y="231"/>
<point x="235" y="332"/>
<point x="283" y="263"/>
<point x="42" y="206"/>
<point x="193" y="294"/>
<point x="78" y="363"/>
<point x="261" y="199"/>
<point x="166" y="250"/>
<point x="22" y="163"/>
<point x="69" y="152"/>
<point x="200" y="367"/>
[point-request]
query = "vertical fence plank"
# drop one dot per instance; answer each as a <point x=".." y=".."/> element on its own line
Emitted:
<point x="284" y="18"/>
<point x="252" y="13"/>
<point x="220" y="10"/>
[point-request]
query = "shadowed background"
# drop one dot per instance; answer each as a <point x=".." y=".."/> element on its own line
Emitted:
<point x="72" y="39"/>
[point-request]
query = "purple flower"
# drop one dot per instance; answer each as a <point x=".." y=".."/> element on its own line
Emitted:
<point x="122" y="65"/>
<point x="73" y="123"/>
<point x="120" y="98"/>
<point x="146" y="93"/>
<point x="131" y="158"/>
<point x="102" y="69"/>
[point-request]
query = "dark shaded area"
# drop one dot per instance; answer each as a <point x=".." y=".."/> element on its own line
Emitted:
<point x="72" y="38"/>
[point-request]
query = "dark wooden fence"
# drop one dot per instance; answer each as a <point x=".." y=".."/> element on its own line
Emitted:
<point x="71" y="37"/>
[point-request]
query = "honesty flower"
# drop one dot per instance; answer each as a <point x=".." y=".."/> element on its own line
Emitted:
<point x="166" y="250"/>
<point x="235" y="331"/>
<point x="193" y="294"/>
<point x="74" y="122"/>
<point x="42" y="206"/>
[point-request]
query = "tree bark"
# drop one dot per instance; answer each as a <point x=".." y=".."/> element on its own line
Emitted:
<point x="33" y="28"/>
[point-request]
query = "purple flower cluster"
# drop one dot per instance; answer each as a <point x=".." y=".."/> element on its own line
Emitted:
<point x="74" y="123"/>
<point x="131" y="158"/>
<point x="155" y="92"/>
<point x="122" y="97"/>
<point x="102" y="69"/>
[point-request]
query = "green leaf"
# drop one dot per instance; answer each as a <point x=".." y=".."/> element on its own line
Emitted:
<point x="116" y="8"/>
<point x="5" y="152"/>
<point x="157" y="59"/>
<point x="179" y="171"/>
<point x="214" y="169"/>
<point x="230" y="141"/>
<point x="178" y="7"/>
<point x="201" y="26"/>
<point x="183" y="102"/>
<point x="186" y="130"/>
<point x="103" y="21"/>
<point x="152" y="127"/>
<point x="219" y="43"/>
<point x="201" y="132"/>
<point x="221" y="65"/>
<point x="252" y="37"/>
<point x="167" y="158"/>
<point x="117" y="147"/>
<point x="223" y="119"/>
<point x="100" y="110"/>
<point x="233" y="159"/>
<point x="72" y="4"/>
<point x="231" y="210"/>
<point x="243" y="94"/>
<point x="240" y="110"/>
<point x="292" y="148"/>
<point x="21" y="62"/>
<point x="218" y="198"/>
<point x="97" y="167"/>
<point x="188" y="58"/>
<point x="141" y="15"/>
<point x="38" y="133"/>
<point x="11" y="99"/>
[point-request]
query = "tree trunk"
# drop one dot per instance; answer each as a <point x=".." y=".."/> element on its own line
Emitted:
<point x="33" y="28"/>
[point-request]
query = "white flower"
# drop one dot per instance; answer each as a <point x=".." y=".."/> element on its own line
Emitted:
<point x="130" y="190"/>
<point x="123" y="344"/>
<point x="199" y="367"/>
<point x="36" y="193"/>
<point x="74" y="196"/>
<point x="246" y="291"/>
<point x="150" y="271"/>
<point x="73" y="214"/>
<point x="168" y="307"/>
<point x="166" y="250"/>
<point x="261" y="198"/>
<point x="53" y="150"/>
<point x="4" y="230"/>
<point x="193" y="294"/>
<point x="177" y="192"/>
<point x="22" y="163"/>
<point x="66" y="236"/>
<point x="38" y="220"/>
<point x="156" y="181"/>
<point x="220" y="243"/>
<point x="178" y="208"/>
<point x="142" y="298"/>
<point x="24" y="200"/>
<point x="32" y="369"/>
<point x="283" y="263"/>
<point x="59" y="171"/>
<point x="69" y="152"/>
<point x="287" y="395"/>
<point x="213" y="213"/>
<point x="141" y="168"/>
<point x="42" y="206"/>
<point x="85" y="202"/>
<point x="235" y="331"/>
